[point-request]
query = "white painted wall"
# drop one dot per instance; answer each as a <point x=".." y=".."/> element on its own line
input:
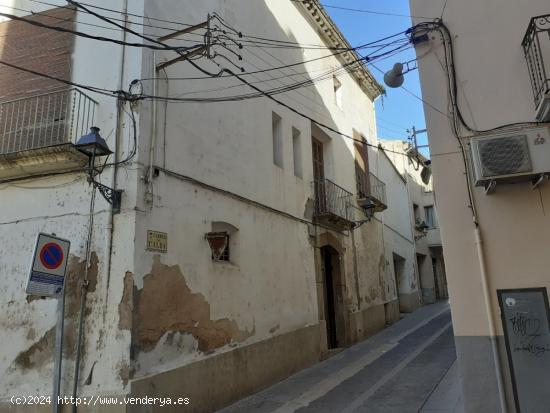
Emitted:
<point x="493" y="91"/>
<point x="60" y="205"/>
<point x="398" y="235"/>
<point x="229" y="146"/>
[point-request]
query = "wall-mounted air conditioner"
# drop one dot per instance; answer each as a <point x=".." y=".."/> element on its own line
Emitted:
<point x="511" y="157"/>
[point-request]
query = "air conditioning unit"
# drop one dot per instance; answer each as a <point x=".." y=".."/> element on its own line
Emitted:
<point x="511" y="157"/>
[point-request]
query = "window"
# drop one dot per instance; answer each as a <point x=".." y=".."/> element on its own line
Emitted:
<point x="219" y="246"/>
<point x="430" y="216"/>
<point x="361" y="165"/>
<point x="277" y="131"/>
<point x="223" y="242"/>
<point x="225" y="256"/>
<point x="297" y="152"/>
<point x="338" y="91"/>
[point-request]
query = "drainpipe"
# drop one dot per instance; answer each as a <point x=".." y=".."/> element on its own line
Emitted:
<point x="118" y="140"/>
<point x="486" y="290"/>
<point x="356" y="270"/>
<point x="490" y="319"/>
<point x="149" y="193"/>
<point x="84" y="286"/>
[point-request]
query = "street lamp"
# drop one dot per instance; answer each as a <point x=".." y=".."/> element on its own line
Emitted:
<point x="394" y="78"/>
<point x="94" y="146"/>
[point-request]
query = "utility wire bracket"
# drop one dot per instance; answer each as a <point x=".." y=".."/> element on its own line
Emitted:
<point x="190" y="53"/>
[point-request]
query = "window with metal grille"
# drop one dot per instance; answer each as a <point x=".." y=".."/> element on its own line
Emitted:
<point x="225" y="255"/>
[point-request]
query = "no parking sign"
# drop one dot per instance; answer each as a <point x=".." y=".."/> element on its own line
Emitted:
<point x="49" y="263"/>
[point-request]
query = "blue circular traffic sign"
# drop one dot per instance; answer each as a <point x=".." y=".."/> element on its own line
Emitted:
<point x="51" y="256"/>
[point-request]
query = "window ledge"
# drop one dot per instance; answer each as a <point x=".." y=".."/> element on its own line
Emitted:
<point x="226" y="265"/>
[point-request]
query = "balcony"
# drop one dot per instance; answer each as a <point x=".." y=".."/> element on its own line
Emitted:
<point x="371" y="192"/>
<point x="332" y="204"/>
<point x="38" y="133"/>
<point x="536" y="46"/>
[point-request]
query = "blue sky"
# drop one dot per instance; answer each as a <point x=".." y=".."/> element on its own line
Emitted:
<point x="397" y="111"/>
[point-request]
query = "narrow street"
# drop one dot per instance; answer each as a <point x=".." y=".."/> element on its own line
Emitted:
<point x="408" y="367"/>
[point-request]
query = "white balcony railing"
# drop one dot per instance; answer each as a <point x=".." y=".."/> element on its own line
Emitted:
<point x="45" y="120"/>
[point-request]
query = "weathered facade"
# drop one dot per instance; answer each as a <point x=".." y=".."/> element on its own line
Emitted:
<point x="302" y="274"/>
<point x="421" y="200"/>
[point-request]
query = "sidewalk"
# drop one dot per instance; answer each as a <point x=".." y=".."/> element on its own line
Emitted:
<point x="404" y="368"/>
<point x="447" y="397"/>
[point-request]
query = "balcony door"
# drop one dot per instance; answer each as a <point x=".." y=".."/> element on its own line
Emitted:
<point x="361" y="164"/>
<point x="318" y="174"/>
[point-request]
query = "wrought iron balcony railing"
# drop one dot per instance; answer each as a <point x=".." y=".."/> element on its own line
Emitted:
<point x="536" y="46"/>
<point x="332" y="202"/>
<point x="45" y="120"/>
<point x="371" y="192"/>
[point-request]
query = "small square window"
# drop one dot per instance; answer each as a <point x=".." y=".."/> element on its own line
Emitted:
<point x="219" y="246"/>
<point x="297" y="152"/>
<point x="277" y="135"/>
<point x="225" y="257"/>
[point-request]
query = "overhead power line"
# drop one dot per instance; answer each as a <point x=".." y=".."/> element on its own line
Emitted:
<point x="114" y="93"/>
<point x="416" y="96"/>
<point x="265" y="41"/>
<point x="64" y="81"/>
<point x="302" y="62"/>
<point x="330" y="6"/>
<point x="224" y="70"/>
<point x="86" y="35"/>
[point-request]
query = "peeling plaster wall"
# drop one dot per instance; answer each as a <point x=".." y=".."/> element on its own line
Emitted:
<point x="187" y="307"/>
<point x="60" y="205"/>
<point x="269" y="289"/>
<point x="29" y="323"/>
<point x="371" y="264"/>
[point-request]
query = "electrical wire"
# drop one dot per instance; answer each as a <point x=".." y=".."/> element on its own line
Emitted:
<point x="269" y="96"/>
<point x="416" y="96"/>
<point x="330" y="6"/>
<point x="224" y="70"/>
<point x="451" y="73"/>
<point x="64" y="81"/>
<point x="324" y="126"/>
<point x="347" y="67"/>
<point x="86" y="35"/>
<point x="302" y="62"/>
<point x="273" y="91"/>
<point x="264" y="41"/>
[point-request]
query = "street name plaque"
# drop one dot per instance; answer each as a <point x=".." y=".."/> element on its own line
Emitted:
<point x="527" y="333"/>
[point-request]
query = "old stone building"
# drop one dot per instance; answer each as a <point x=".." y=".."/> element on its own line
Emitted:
<point x="248" y="243"/>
